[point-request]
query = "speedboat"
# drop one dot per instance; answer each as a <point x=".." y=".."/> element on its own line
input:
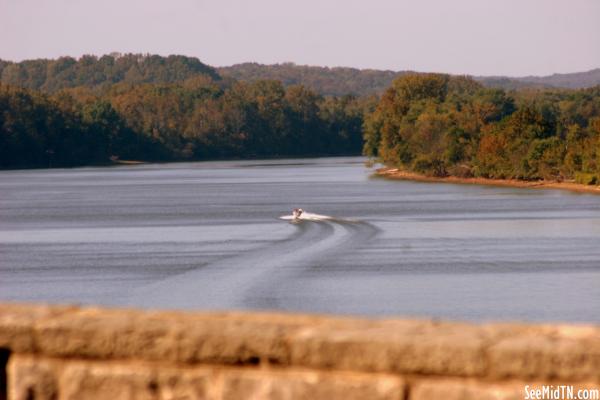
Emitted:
<point x="297" y="213"/>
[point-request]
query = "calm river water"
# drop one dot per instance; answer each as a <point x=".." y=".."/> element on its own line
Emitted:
<point x="208" y="236"/>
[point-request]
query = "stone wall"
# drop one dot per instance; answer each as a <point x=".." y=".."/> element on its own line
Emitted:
<point x="91" y="353"/>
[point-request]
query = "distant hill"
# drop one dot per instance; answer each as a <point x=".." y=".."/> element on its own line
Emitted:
<point x="575" y="80"/>
<point x="92" y="71"/>
<point x="339" y="81"/>
<point x="336" y="81"/>
<point x="503" y="82"/>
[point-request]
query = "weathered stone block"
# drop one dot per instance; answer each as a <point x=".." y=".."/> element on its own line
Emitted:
<point x="550" y="353"/>
<point x="32" y="378"/>
<point x="394" y="346"/>
<point x="405" y="347"/>
<point x="186" y="384"/>
<point x="270" y="385"/>
<point x="465" y="390"/>
<point x="167" y="336"/>
<point x="133" y="381"/>
<point x="17" y="324"/>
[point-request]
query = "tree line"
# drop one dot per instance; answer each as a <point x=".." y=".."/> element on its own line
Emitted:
<point x="340" y="80"/>
<point x="102" y="72"/>
<point x="196" y="119"/>
<point x="336" y="81"/>
<point x="443" y="125"/>
<point x="69" y="112"/>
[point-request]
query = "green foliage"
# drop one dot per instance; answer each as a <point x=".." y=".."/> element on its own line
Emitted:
<point x="90" y="110"/>
<point x="325" y="81"/>
<point x="192" y="120"/>
<point x="341" y="81"/>
<point x="544" y="159"/>
<point x="91" y="71"/>
<point x="40" y="131"/>
<point x="437" y="125"/>
<point x="586" y="178"/>
<point x="102" y="72"/>
<point x="429" y="165"/>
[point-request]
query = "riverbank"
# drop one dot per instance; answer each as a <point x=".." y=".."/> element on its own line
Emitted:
<point x="395" y="173"/>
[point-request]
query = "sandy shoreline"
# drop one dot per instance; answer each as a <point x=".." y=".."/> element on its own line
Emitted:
<point x="394" y="173"/>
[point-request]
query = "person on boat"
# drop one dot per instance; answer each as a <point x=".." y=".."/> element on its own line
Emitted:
<point x="297" y="213"/>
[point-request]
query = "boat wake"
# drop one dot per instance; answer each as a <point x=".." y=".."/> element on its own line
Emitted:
<point x="251" y="280"/>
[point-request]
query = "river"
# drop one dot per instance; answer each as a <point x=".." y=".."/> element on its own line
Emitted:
<point x="207" y="235"/>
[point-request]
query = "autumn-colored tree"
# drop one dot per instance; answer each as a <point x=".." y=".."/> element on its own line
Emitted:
<point x="438" y="125"/>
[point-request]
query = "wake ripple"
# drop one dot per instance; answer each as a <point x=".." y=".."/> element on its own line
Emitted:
<point x="245" y="280"/>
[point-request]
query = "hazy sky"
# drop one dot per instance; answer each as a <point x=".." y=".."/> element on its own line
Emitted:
<point x="486" y="37"/>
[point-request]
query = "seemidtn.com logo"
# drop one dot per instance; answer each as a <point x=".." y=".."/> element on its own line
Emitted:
<point x="560" y="392"/>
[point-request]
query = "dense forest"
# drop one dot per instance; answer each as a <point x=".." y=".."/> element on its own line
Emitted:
<point x="327" y="81"/>
<point x="193" y="120"/>
<point x="575" y="80"/>
<point x="102" y="72"/>
<point x="69" y="112"/>
<point x="441" y="125"/>
<point x="337" y="81"/>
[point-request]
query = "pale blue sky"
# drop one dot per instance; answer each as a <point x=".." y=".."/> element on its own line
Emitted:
<point x="482" y="37"/>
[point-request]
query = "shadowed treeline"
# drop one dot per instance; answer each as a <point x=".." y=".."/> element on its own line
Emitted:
<point x="153" y="108"/>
